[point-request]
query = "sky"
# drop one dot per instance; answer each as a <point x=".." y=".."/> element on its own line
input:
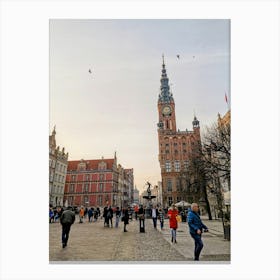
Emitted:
<point x="114" y="108"/>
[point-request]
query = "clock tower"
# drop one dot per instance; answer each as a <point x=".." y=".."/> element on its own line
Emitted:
<point x="166" y="105"/>
<point x="176" y="149"/>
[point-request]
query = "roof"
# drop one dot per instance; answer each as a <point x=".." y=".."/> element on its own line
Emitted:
<point x="90" y="164"/>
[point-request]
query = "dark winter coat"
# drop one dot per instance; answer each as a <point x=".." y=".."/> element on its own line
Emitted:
<point x="141" y="213"/>
<point x="125" y="217"/>
<point x="67" y="217"/>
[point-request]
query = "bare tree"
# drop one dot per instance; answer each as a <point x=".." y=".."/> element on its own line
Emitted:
<point x="216" y="151"/>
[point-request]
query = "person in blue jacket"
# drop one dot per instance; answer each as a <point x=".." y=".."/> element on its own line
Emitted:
<point x="196" y="226"/>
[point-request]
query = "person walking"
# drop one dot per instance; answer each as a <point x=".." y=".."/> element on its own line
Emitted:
<point x="51" y="215"/>
<point x="110" y="216"/>
<point x="81" y="215"/>
<point x="195" y="227"/>
<point x="155" y="216"/>
<point x="67" y="219"/>
<point x="105" y="216"/>
<point x="161" y="217"/>
<point x="173" y="224"/>
<point x="118" y="214"/>
<point x="96" y="214"/>
<point x="141" y="216"/>
<point x="136" y="209"/>
<point x="90" y="214"/>
<point x="125" y="218"/>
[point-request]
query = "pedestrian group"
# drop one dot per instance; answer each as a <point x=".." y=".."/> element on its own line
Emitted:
<point x="196" y="226"/>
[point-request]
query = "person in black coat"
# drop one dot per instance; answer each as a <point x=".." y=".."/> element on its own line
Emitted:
<point x="125" y="218"/>
<point x="141" y="215"/>
<point x="105" y="216"/>
<point x="67" y="219"/>
<point x="110" y="216"/>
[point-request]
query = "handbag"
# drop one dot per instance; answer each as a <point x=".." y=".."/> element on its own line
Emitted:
<point x="179" y="219"/>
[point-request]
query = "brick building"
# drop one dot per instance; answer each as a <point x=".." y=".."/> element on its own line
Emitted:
<point x="93" y="182"/>
<point x="176" y="149"/>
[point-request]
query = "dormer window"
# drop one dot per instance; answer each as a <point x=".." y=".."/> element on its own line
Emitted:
<point x="82" y="166"/>
<point x="102" y="165"/>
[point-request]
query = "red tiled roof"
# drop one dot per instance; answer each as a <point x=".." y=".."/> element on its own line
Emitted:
<point x="90" y="164"/>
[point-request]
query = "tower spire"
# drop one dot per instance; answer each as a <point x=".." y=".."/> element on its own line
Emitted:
<point x="165" y="94"/>
<point x="195" y="120"/>
<point x="54" y="132"/>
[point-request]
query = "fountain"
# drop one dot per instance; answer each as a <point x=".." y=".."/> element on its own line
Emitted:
<point x="149" y="204"/>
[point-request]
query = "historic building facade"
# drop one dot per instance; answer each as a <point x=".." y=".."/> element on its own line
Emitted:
<point x="176" y="149"/>
<point x="94" y="182"/>
<point x="58" y="161"/>
<point x="130" y="184"/>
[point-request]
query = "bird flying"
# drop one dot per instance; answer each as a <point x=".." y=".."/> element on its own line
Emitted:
<point x="178" y="56"/>
<point x="89" y="70"/>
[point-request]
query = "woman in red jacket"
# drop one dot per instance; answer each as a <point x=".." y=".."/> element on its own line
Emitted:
<point x="173" y="224"/>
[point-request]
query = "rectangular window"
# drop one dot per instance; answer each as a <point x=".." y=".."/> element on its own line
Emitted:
<point x="71" y="188"/>
<point x="177" y="166"/>
<point x="70" y="200"/>
<point x="51" y="176"/>
<point x="100" y="202"/>
<point x="86" y="188"/>
<point x="178" y="184"/>
<point x="167" y="166"/>
<point x="169" y="185"/>
<point x="85" y="200"/>
<point x="169" y="200"/>
<point x="73" y="178"/>
<point x="100" y="187"/>
<point x="101" y="177"/>
<point x="87" y="177"/>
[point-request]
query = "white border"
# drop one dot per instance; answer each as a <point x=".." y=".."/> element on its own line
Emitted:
<point x="255" y="128"/>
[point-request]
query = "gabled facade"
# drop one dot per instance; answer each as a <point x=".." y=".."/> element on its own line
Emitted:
<point x="95" y="182"/>
<point x="58" y="161"/>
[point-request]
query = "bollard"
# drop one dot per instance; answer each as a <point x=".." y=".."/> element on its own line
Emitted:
<point x="227" y="232"/>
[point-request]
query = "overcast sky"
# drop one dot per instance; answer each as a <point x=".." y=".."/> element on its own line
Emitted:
<point x="114" y="108"/>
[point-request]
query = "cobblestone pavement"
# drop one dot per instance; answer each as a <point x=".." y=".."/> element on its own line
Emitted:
<point x="216" y="248"/>
<point x="92" y="242"/>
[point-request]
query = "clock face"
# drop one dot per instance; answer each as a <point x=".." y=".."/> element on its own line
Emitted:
<point x="166" y="110"/>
